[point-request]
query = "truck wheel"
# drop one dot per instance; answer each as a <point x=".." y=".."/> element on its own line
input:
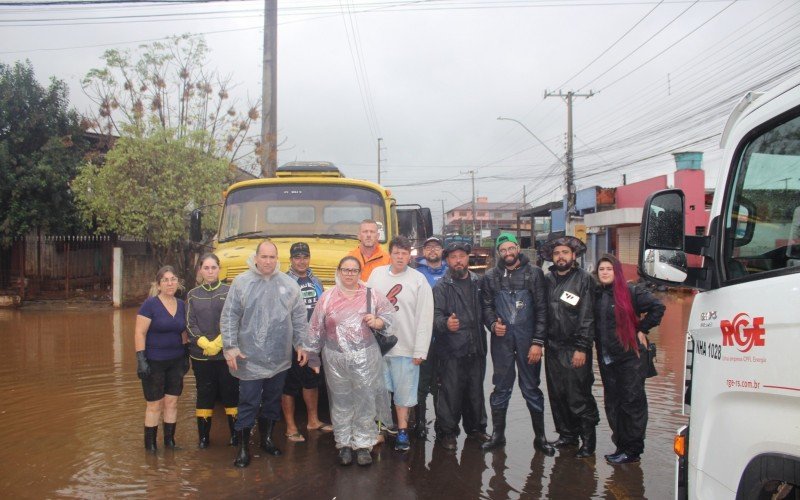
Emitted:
<point x="770" y="477"/>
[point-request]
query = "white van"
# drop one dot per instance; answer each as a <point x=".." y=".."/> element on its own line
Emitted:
<point x="743" y="344"/>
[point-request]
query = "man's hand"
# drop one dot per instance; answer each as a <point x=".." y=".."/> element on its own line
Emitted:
<point x="499" y="328"/>
<point x="578" y="359"/>
<point x="315" y="369"/>
<point x="453" y="323"/>
<point x="231" y="360"/>
<point x="534" y="354"/>
<point x="417" y="361"/>
<point x="302" y="357"/>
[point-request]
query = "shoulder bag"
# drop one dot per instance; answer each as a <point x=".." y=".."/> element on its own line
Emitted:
<point x="385" y="342"/>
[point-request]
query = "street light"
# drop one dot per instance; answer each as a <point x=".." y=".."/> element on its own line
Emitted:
<point x="534" y="136"/>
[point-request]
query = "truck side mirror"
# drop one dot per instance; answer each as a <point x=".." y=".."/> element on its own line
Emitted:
<point x="195" y="226"/>
<point x="661" y="253"/>
<point x="425" y="223"/>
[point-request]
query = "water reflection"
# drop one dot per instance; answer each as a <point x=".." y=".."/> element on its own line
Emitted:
<point x="72" y="413"/>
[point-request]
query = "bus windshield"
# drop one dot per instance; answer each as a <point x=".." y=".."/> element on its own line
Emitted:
<point x="320" y="210"/>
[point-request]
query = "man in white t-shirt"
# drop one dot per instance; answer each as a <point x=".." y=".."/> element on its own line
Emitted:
<point x="408" y="290"/>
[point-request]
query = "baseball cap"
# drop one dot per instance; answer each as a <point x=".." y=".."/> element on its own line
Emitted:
<point x="505" y="238"/>
<point x="433" y="239"/>
<point x="299" y="248"/>
<point x="457" y="245"/>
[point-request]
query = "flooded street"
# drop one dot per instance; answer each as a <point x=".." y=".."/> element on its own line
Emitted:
<point x="73" y="414"/>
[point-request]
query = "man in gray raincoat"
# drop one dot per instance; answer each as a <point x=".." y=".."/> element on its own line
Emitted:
<point x="264" y="316"/>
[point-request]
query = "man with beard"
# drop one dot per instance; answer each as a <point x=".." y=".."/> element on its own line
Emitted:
<point x="515" y="311"/>
<point x="460" y="350"/>
<point x="569" y="345"/>
<point x="433" y="268"/>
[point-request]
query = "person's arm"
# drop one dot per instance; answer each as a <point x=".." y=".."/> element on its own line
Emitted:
<point x="195" y="335"/>
<point x="424" y="318"/>
<point x="140" y="342"/>
<point x="230" y="321"/>
<point x="487" y="303"/>
<point x="584" y="335"/>
<point x="539" y="293"/>
<point x="648" y="304"/>
<point x="440" y="308"/>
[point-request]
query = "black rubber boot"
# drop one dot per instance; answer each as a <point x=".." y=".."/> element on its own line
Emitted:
<point x="498" y="430"/>
<point x="540" y="441"/>
<point x="564" y="441"/>
<point x="203" y="431"/>
<point x="169" y="435"/>
<point x="265" y="427"/>
<point x="150" y="434"/>
<point x="421" y="423"/>
<point x="589" y="437"/>
<point x="234" y="436"/>
<point x="243" y="455"/>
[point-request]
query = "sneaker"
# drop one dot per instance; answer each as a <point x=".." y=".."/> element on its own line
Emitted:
<point x="345" y="455"/>
<point x="363" y="456"/>
<point x="402" y="443"/>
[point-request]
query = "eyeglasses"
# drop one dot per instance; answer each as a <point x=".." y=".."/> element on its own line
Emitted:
<point x="169" y="280"/>
<point x="506" y="251"/>
<point x="350" y="271"/>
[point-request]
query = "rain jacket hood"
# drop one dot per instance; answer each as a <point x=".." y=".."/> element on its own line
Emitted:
<point x="263" y="317"/>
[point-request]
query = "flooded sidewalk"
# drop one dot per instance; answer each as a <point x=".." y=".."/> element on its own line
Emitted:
<point x="73" y="415"/>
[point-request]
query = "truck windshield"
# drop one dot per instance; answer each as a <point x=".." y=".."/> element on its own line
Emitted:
<point x="300" y="210"/>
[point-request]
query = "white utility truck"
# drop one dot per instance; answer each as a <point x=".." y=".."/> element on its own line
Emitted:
<point x="743" y="343"/>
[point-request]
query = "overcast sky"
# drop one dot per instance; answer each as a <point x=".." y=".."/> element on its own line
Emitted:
<point x="431" y="78"/>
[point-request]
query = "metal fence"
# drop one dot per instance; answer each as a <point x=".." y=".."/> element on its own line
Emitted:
<point x="56" y="266"/>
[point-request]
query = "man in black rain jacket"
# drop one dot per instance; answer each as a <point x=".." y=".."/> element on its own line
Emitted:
<point x="515" y="311"/>
<point x="569" y="345"/>
<point x="460" y="350"/>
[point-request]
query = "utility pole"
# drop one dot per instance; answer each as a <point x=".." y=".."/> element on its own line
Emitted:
<point x="524" y="196"/>
<point x="444" y="218"/>
<point x="570" y="174"/>
<point x="472" y="173"/>
<point x="269" y="91"/>
<point x="379" y="159"/>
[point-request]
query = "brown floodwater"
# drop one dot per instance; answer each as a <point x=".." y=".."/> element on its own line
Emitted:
<point x="72" y="417"/>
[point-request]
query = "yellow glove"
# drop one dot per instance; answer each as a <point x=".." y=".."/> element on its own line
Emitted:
<point x="203" y="343"/>
<point x="213" y="347"/>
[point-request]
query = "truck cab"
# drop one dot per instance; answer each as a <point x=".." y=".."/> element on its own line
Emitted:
<point x="742" y="377"/>
<point x="312" y="202"/>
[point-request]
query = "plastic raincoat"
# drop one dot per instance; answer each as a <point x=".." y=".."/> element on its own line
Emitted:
<point x="263" y="317"/>
<point x="353" y="364"/>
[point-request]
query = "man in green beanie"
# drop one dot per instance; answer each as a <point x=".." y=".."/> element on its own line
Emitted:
<point x="514" y="301"/>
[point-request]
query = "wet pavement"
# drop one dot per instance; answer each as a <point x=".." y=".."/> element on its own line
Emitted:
<point x="73" y="413"/>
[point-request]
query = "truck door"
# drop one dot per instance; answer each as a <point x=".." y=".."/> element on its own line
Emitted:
<point x="415" y="223"/>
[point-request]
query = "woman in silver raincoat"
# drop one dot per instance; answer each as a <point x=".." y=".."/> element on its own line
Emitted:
<point x="341" y="328"/>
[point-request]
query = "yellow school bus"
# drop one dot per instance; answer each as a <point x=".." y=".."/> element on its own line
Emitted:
<point x="311" y="202"/>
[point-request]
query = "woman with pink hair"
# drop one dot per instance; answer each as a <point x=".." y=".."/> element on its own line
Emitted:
<point x="624" y="315"/>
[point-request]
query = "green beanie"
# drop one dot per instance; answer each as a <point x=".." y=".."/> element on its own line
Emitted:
<point x="505" y="238"/>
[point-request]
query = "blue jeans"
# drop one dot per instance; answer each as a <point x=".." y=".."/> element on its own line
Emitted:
<point x="264" y="393"/>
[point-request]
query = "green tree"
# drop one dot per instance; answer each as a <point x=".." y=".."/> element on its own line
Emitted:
<point x="41" y="146"/>
<point x="147" y="188"/>
<point x="168" y="85"/>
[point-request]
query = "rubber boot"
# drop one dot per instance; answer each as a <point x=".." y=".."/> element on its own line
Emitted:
<point x="150" y="434"/>
<point x="169" y="435"/>
<point x="265" y="427"/>
<point x="421" y="425"/>
<point x="589" y="437"/>
<point x="234" y="435"/>
<point x="243" y="455"/>
<point x="203" y="431"/>
<point x="540" y="441"/>
<point x="498" y="430"/>
<point x="564" y="441"/>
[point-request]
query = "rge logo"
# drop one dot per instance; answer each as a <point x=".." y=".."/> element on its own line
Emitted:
<point x="741" y="333"/>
